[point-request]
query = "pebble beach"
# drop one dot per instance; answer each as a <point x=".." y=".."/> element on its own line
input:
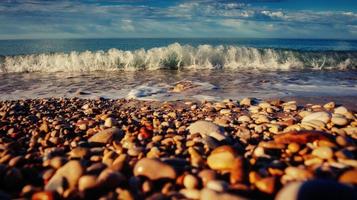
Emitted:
<point x="73" y="148"/>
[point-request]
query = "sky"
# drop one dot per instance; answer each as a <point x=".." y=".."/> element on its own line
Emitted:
<point x="44" y="19"/>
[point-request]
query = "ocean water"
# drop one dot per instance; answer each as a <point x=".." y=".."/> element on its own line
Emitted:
<point x="144" y="68"/>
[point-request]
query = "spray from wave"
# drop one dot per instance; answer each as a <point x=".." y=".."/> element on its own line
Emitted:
<point x="176" y="56"/>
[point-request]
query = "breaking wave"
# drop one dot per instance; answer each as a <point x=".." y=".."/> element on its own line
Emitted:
<point x="178" y="57"/>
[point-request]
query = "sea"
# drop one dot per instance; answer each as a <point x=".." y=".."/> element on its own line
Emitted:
<point x="150" y="68"/>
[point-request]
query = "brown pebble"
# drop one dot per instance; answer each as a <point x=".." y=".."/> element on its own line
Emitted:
<point x="349" y="177"/>
<point x="222" y="158"/>
<point x="300" y="137"/>
<point x="190" y="181"/>
<point x="154" y="169"/>
<point x="267" y="185"/>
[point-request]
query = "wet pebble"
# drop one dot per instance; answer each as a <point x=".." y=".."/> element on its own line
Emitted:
<point x="206" y="128"/>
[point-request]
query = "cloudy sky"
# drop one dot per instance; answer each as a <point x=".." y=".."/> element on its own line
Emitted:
<point x="28" y="19"/>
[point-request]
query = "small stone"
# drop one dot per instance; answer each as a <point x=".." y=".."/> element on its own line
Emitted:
<point x="44" y="127"/>
<point x="109" y="122"/>
<point x="330" y="105"/>
<point x="296" y="173"/>
<point x="225" y="111"/>
<point x="262" y="119"/>
<point x="264" y="105"/>
<point x="239" y="172"/>
<point x="290" y="107"/>
<point x="352" y="131"/>
<point x="190" y="181"/>
<point x="110" y="179"/>
<point x="254" y="109"/>
<point x="71" y="172"/>
<point x="57" y="162"/>
<point x="207" y="175"/>
<point x="322" y="116"/>
<point x="154" y="169"/>
<point x="340" y="121"/>
<point x="267" y="185"/>
<point x="244" y="118"/>
<point x="323" y="152"/>
<point x="222" y="158"/>
<point x="79" y="152"/>
<point x="259" y="152"/>
<point x="217" y="185"/>
<point x="294" y="147"/>
<point x="87" y="182"/>
<point x="206" y="128"/>
<point x="341" y="110"/>
<point x="300" y="137"/>
<point x="245" y="102"/>
<point x="349" y="177"/>
<point x="105" y="136"/>
<point x="195" y="158"/>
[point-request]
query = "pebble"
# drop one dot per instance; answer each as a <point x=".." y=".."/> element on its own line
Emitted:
<point x="294" y="147"/>
<point x="349" y="177"/>
<point x="300" y="137"/>
<point x="195" y="158"/>
<point x="217" y="185"/>
<point x="222" y="158"/>
<point x="296" y="173"/>
<point x="244" y="118"/>
<point x="109" y="122"/>
<point x="321" y="116"/>
<point x="207" y="175"/>
<point x="190" y="181"/>
<point x="225" y="111"/>
<point x="239" y="171"/>
<point x="104" y="136"/>
<point x="262" y="119"/>
<point x="266" y="185"/>
<point x="87" y="182"/>
<point x="341" y="110"/>
<point x="79" y="152"/>
<point x="110" y="179"/>
<point x="245" y="102"/>
<point x="246" y="150"/>
<point x="149" y="168"/>
<point x="57" y="162"/>
<point x="340" y="121"/>
<point x="323" y="152"/>
<point x="71" y="172"/>
<point x="206" y="128"/>
<point x="329" y="105"/>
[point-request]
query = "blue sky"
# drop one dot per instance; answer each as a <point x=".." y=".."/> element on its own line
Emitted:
<point x="30" y="19"/>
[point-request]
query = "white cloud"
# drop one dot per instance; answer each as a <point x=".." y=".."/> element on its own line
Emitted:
<point x="190" y="18"/>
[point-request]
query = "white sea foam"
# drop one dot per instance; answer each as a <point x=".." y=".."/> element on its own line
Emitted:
<point x="176" y="56"/>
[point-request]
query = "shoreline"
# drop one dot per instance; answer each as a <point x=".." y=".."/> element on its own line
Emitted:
<point x="74" y="148"/>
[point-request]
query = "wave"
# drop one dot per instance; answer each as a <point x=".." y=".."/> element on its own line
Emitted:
<point x="178" y="57"/>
